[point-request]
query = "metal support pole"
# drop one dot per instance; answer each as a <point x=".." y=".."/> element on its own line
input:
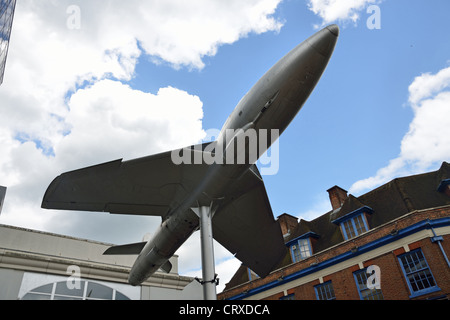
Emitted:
<point x="207" y="247"/>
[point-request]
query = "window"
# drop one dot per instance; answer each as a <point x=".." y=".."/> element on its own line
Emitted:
<point x="288" y="297"/>
<point x="417" y="273"/>
<point x="364" y="292"/>
<point x="325" y="291"/>
<point x="87" y="290"/>
<point x="354" y="226"/>
<point x="301" y="250"/>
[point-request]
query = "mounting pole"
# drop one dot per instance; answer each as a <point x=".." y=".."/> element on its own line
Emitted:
<point x="207" y="246"/>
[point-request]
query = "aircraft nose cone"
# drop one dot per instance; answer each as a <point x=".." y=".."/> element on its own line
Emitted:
<point x="325" y="40"/>
<point x="334" y="29"/>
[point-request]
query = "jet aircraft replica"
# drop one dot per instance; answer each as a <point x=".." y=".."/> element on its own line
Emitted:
<point x="233" y="194"/>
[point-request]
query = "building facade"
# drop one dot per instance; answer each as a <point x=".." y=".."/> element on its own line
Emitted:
<point x="392" y="243"/>
<point x="7" y="8"/>
<point x="44" y="266"/>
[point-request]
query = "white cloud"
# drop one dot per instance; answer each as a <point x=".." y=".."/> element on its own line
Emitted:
<point x="47" y="59"/>
<point x="226" y="270"/>
<point x="190" y="30"/>
<point x="65" y="104"/>
<point x="178" y="32"/>
<point x="110" y="120"/>
<point x="428" y="85"/>
<point x="339" y="10"/>
<point x="107" y="120"/>
<point x="427" y="143"/>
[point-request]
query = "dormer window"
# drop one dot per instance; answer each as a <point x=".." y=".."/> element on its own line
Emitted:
<point x="354" y="223"/>
<point x="354" y="226"/>
<point x="301" y="250"/>
<point x="301" y="247"/>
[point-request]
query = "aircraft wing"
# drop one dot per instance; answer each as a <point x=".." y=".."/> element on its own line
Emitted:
<point x="246" y="226"/>
<point x="146" y="186"/>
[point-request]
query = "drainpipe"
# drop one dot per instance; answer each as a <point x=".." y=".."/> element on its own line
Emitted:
<point x="439" y="239"/>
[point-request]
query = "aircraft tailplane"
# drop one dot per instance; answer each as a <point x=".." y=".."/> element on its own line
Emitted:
<point x="134" y="248"/>
<point x="127" y="249"/>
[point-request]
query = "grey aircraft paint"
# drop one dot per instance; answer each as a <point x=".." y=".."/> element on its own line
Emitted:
<point x="243" y="221"/>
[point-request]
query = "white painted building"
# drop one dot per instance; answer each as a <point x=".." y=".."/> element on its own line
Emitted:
<point x="38" y="265"/>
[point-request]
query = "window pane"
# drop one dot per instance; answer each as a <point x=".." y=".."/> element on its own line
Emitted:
<point x="35" y="296"/>
<point x="288" y="297"/>
<point x="66" y="298"/>
<point x="98" y="291"/>
<point x="421" y="280"/>
<point x="361" y="280"/>
<point x="366" y="293"/>
<point x="372" y="294"/>
<point x="414" y="262"/>
<point x="405" y="264"/>
<point x="349" y="229"/>
<point x="360" y="226"/>
<point x="304" y="248"/>
<point x="62" y="288"/>
<point x="421" y="263"/>
<point x="296" y="253"/>
<point x="417" y="272"/>
<point x="429" y="278"/>
<point x="48" y="288"/>
<point x="120" y="296"/>
<point x="325" y="291"/>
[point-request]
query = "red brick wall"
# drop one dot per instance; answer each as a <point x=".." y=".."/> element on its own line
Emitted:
<point x="393" y="282"/>
<point x="393" y="285"/>
<point x="437" y="263"/>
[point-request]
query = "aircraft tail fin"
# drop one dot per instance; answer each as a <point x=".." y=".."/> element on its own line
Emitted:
<point x="127" y="249"/>
<point x="255" y="238"/>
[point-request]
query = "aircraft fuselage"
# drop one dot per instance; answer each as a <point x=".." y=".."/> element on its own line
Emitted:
<point x="272" y="103"/>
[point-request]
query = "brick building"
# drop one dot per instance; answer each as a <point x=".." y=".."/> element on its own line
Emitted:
<point x="391" y="243"/>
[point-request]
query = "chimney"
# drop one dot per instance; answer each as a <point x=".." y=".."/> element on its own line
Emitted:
<point x="337" y="196"/>
<point x="287" y="223"/>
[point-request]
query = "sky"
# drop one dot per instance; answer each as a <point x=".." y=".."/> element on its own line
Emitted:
<point x="88" y="82"/>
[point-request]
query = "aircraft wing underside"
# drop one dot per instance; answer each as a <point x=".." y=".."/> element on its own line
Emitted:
<point x="243" y="222"/>
<point x="146" y="186"/>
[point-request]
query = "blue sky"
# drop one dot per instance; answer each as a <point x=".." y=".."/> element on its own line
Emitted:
<point x="355" y="120"/>
<point x="127" y="80"/>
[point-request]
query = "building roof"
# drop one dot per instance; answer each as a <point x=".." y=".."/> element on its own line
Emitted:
<point x="383" y="204"/>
